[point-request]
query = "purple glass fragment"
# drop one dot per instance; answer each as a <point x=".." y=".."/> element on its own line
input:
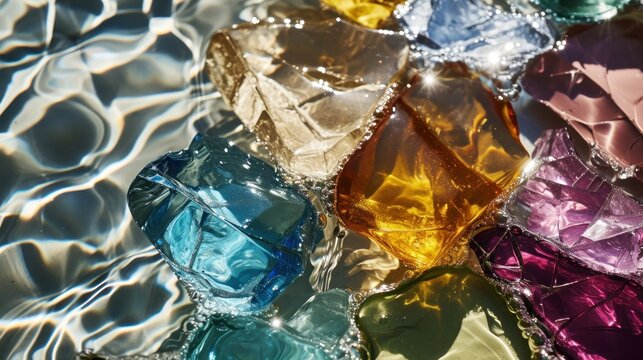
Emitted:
<point x="582" y="213"/>
<point x="590" y="315"/>
<point x="594" y="83"/>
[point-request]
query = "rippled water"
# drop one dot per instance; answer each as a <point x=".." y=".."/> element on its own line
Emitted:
<point x="90" y="92"/>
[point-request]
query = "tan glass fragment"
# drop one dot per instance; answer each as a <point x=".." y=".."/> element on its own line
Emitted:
<point x="307" y="88"/>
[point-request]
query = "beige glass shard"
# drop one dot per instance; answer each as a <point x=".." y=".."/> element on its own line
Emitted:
<point x="307" y="88"/>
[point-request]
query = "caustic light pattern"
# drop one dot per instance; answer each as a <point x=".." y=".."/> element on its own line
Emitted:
<point x="418" y="147"/>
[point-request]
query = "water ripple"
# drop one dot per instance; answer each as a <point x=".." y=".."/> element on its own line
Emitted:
<point x="90" y="91"/>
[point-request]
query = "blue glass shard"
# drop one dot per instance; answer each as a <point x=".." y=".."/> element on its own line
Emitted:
<point x="488" y="36"/>
<point x="227" y="224"/>
<point x="315" y="331"/>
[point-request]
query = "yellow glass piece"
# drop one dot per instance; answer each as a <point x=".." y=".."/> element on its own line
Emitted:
<point x="431" y="168"/>
<point x="370" y="13"/>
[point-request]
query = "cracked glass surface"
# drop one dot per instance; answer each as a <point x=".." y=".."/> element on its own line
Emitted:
<point x="446" y="150"/>
<point x="583" y="213"/>
<point x="307" y="88"/>
<point x="594" y="83"/>
<point x="590" y="315"/>
<point x="225" y="222"/>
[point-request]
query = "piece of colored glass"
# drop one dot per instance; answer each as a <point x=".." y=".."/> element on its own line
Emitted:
<point x="581" y="212"/>
<point x="487" y="36"/>
<point x="444" y="313"/>
<point x="590" y="315"/>
<point x="309" y="88"/>
<point x="447" y="149"/>
<point x="314" y="332"/>
<point x="582" y="10"/>
<point x="370" y="13"/>
<point x="594" y="83"/>
<point x="225" y="222"/>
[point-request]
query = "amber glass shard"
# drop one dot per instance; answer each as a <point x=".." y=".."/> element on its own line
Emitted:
<point x="480" y="131"/>
<point x="431" y="168"/>
<point x="369" y="13"/>
<point x="308" y="89"/>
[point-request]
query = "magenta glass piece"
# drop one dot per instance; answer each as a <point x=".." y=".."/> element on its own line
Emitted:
<point x="590" y="315"/>
<point x="594" y="83"/>
<point x="582" y="213"/>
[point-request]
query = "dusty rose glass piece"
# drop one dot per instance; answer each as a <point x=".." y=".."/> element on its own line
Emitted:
<point x="590" y="315"/>
<point x="594" y="83"/>
<point x="582" y="213"/>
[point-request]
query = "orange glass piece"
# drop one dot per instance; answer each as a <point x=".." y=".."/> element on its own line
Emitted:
<point x="431" y="168"/>
<point x="370" y="13"/>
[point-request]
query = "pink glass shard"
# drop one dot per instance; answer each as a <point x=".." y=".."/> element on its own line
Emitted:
<point x="580" y="212"/>
<point x="590" y="315"/>
<point x="594" y="83"/>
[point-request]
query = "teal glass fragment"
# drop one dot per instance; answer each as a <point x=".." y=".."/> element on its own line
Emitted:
<point x="315" y="331"/>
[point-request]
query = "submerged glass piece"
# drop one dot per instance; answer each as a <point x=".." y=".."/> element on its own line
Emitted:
<point x="582" y="10"/>
<point x="447" y="149"/>
<point x="444" y="313"/>
<point x="225" y="222"/>
<point x="590" y="315"/>
<point x="315" y="331"/>
<point x="594" y="83"/>
<point x="581" y="212"/>
<point x="488" y="38"/>
<point x="307" y="88"/>
<point x="370" y="13"/>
